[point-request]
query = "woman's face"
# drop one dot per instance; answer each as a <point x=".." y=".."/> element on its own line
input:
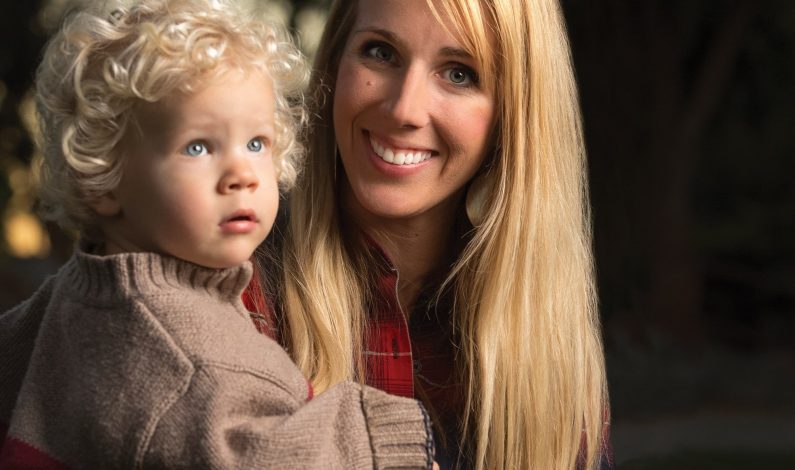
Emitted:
<point x="411" y="118"/>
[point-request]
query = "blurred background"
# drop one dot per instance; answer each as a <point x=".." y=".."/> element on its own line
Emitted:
<point x="689" y="109"/>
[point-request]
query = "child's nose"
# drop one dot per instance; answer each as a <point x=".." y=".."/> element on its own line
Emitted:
<point x="238" y="176"/>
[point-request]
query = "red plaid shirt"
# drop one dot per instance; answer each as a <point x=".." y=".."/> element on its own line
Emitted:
<point x="388" y="357"/>
<point x="415" y="358"/>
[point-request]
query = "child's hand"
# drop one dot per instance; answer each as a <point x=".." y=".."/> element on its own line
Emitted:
<point x="435" y="465"/>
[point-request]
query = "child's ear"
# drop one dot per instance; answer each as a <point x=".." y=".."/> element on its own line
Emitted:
<point x="105" y="204"/>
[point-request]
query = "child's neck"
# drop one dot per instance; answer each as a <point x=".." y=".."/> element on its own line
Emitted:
<point x="109" y="247"/>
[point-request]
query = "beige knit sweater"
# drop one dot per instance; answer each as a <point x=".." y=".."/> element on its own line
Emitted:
<point x="140" y="361"/>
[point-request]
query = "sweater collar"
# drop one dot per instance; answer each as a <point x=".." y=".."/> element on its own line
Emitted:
<point x="109" y="277"/>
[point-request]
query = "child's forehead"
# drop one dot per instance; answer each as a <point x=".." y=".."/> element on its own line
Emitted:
<point x="221" y="77"/>
<point x="207" y="98"/>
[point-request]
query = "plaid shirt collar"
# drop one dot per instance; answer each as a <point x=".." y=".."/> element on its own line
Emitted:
<point x="411" y="359"/>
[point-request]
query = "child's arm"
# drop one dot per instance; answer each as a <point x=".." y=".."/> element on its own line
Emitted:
<point x="234" y="419"/>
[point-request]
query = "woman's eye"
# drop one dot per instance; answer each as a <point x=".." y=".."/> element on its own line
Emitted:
<point x="195" y="149"/>
<point x="255" y="145"/>
<point x="379" y="51"/>
<point x="462" y="76"/>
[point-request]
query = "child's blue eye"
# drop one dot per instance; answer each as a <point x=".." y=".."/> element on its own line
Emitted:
<point x="195" y="149"/>
<point x="255" y="145"/>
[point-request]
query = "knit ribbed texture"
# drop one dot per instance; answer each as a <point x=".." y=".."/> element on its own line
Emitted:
<point x="143" y="361"/>
<point x="133" y="274"/>
<point x="393" y="437"/>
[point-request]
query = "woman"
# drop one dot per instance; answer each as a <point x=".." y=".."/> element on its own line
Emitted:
<point x="438" y="241"/>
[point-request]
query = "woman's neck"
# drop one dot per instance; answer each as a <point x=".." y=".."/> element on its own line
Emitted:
<point x="417" y="252"/>
<point x="418" y="246"/>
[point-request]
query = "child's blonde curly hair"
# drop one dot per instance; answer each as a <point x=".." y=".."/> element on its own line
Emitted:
<point x="102" y="63"/>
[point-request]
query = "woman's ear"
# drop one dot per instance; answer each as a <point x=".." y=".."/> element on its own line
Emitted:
<point x="106" y="205"/>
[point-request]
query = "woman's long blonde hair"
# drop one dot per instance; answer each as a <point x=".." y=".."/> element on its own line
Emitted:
<point x="525" y="303"/>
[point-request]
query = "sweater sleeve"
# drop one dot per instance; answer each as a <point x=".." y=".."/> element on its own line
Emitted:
<point x="230" y="418"/>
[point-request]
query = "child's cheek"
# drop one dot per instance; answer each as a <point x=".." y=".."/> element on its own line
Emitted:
<point x="268" y="195"/>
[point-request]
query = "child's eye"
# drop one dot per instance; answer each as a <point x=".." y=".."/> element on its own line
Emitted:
<point x="461" y="76"/>
<point x="195" y="149"/>
<point x="256" y="144"/>
<point x="379" y="51"/>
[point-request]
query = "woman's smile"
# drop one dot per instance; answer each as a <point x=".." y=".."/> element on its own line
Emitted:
<point x="398" y="155"/>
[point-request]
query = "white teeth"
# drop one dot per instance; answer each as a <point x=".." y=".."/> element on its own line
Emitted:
<point x="399" y="157"/>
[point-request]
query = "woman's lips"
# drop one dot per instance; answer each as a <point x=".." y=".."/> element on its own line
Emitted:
<point x="396" y="155"/>
<point x="373" y="145"/>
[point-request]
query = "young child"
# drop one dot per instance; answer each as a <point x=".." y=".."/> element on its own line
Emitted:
<point x="166" y="128"/>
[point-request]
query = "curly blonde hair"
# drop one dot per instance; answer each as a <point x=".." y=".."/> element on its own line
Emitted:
<point x="102" y="63"/>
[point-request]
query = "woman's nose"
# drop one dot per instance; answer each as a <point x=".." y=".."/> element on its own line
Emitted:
<point x="408" y="100"/>
<point x="238" y="175"/>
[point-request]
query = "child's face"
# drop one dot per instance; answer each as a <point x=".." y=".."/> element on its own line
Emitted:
<point x="199" y="181"/>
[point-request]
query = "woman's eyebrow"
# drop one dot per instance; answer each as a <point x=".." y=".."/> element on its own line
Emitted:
<point x="382" y="32"/>
<point x="455" y="52"/>
<point x="392" y="37"/>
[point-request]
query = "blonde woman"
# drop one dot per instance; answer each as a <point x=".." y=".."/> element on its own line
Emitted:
<point x="438" y="242"/>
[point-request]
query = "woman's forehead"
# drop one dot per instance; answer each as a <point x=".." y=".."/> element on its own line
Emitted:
<point x="467" y="30"/>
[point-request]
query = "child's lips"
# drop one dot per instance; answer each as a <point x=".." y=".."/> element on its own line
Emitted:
<point x="241" y="221"/>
